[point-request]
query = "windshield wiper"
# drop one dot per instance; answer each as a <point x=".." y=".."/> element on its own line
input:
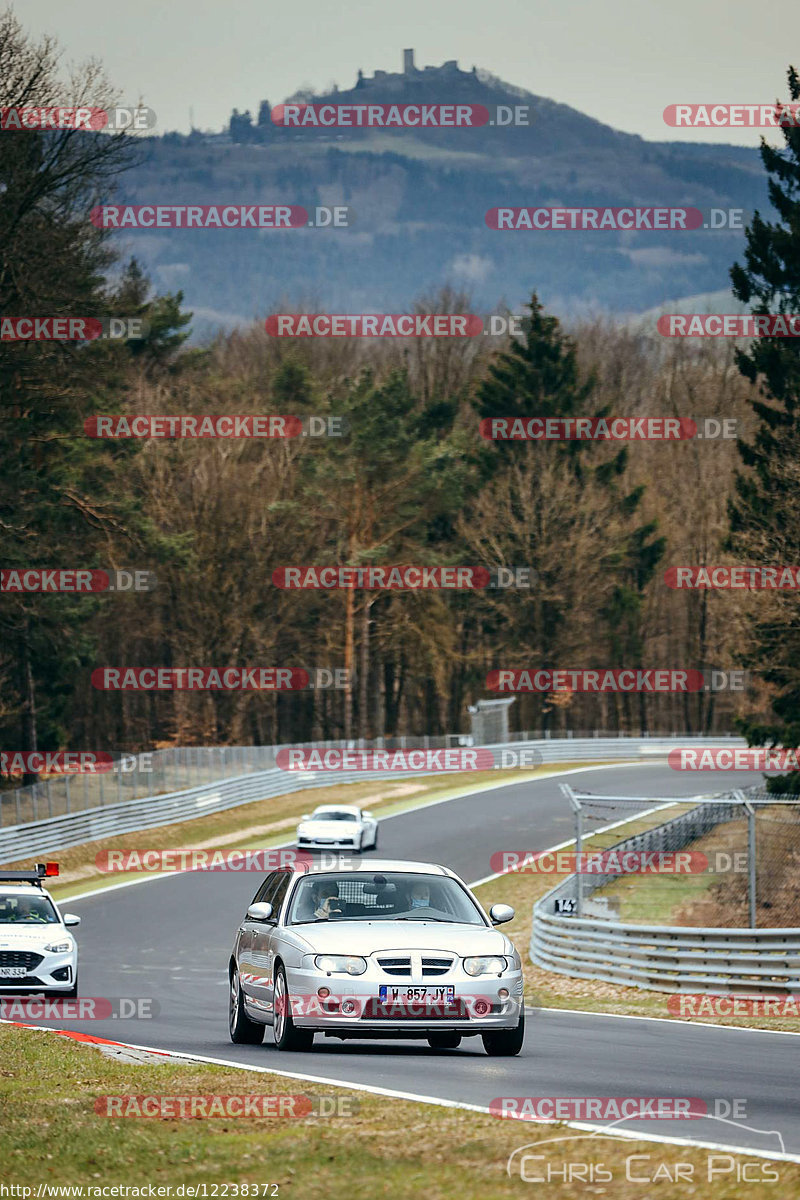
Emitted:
<point x="441" y="920"/>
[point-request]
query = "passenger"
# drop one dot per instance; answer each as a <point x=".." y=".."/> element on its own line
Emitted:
<point x="326" y="899"/>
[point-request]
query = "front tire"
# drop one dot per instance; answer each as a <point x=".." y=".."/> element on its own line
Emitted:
<point x="287" y="1035"/>
<point x="444" y="1041"/>
<point x="243" y="1031"/>
<point x="504" y="1043"/>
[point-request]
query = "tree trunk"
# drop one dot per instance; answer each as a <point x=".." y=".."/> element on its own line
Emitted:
<point x="27" y="692"/>
<point x="349" y="619"/>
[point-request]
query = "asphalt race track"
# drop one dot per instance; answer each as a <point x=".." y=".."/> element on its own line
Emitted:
<point x="170" y="939"/>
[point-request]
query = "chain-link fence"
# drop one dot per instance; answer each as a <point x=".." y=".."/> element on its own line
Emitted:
<point x="726" y="861"/>
<point x="134" y="777"/>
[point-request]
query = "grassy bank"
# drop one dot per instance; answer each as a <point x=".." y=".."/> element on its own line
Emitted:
<point x="53" y="1135"/>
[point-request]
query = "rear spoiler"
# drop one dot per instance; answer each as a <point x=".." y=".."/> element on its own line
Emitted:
<point x="41" y="871"/>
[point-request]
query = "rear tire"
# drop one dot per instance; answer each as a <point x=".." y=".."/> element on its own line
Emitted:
<point x="444" y="1041"/>
<point x="504" y="1043"/>
<point x="243" y="1031"/>
<point x="287" y="1035"/>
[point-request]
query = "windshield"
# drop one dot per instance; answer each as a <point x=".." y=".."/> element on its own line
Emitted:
<point x="27" y="910"/>
<point x="393" y="896"/>
<point x="332" y="814"/>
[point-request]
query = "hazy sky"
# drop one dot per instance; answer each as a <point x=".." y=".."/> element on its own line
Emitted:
<point x="621" y="61"/>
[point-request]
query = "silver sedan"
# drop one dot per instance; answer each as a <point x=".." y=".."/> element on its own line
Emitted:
<point x="374" y="949"/>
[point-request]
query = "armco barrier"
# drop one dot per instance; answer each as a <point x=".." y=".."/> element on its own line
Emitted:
<point x="24" y="841"/>
<point x="664" y="958"/>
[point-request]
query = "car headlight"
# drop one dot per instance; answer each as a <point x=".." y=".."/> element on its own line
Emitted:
<point x="340" y="964"/>
<point x="487" y="965"/>
<point x="59" y="947"/>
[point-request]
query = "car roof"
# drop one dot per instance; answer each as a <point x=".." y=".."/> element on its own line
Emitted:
<point x="348" y="808"/>
<point x="22" y="889"/>
<point x="372" y="866"/>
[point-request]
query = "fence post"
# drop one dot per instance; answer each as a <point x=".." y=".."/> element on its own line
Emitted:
<point x="751" y="861"/>
<point x="576" y="808"/>
<point x="739" y="796"/>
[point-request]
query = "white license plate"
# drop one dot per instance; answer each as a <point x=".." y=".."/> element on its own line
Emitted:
<point x="13" y="972"/>
<point x="417" y="995"/>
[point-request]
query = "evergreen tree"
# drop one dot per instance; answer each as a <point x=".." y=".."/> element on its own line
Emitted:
<point x="763" y="523"/>
<point x="539" y="376"/>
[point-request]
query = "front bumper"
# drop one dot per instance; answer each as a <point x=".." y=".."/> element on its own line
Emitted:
<point x="53" y="973"/>
<point x="353" y="1004"/>
<point x="312" y="843"/>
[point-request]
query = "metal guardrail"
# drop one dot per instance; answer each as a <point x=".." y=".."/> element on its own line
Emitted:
<point x="177" y="768"/>
<point x="663" y="958"/>
<point x="46" y="836"/>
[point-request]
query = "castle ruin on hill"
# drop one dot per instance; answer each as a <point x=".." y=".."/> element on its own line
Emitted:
<point x="410" y="74"/>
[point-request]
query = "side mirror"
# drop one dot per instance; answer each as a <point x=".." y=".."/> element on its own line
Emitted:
<point x="306" y="817"/>
<point x="260" y="912"/>
<point x="71" y="919"/>
<point x="366" y="813"/>
<point x="500" y="913"/>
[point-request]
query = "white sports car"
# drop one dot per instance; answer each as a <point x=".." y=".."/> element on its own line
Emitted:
<point x="37" y="951"/>
<point x="338" y="827"/>
<point x="377" y="949"/>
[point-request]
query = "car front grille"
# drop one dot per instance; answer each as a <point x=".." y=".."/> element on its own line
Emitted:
<point x="436" y="966"/>
<point x="400" y="965"/>
<point x="20" y="958"/>
<point x="396" y="965"/>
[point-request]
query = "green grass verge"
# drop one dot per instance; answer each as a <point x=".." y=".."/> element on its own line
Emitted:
<point x="53" y="1136"/>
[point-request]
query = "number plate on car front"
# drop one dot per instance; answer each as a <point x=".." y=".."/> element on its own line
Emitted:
<point x="416" y="995"/>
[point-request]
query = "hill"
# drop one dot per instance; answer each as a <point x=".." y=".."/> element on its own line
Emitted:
<point x="420" y="198"/>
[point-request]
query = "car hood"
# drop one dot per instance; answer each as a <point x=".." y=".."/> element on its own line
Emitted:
<point x="31" y="936"/>
<point x="330" y="829"/>
<point x="367" y="937"/>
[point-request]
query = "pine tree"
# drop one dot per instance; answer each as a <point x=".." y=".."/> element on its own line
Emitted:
<point x="539" y="376"/>
<point x="763" y="525"/>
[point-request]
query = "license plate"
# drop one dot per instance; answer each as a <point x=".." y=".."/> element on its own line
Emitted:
<point x="13" y="972"/>
<point x="416" y="995"/>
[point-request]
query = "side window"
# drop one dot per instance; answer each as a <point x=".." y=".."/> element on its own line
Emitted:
<point x="279" y="895"/>
<point x="262" y="896"/>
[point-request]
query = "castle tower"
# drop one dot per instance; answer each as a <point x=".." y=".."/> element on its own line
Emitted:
<point x="408" y="62"/>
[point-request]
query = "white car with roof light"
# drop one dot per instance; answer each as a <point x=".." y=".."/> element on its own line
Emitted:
<point x="374" y="949"/>
<point x="338" y="827"/>
<point x="37" y="951"/>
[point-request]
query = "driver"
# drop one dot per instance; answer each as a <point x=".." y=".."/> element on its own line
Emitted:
<point x="326" y="899"/>
<point x="420" y="895"/>
<point x="28" y="910"/>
